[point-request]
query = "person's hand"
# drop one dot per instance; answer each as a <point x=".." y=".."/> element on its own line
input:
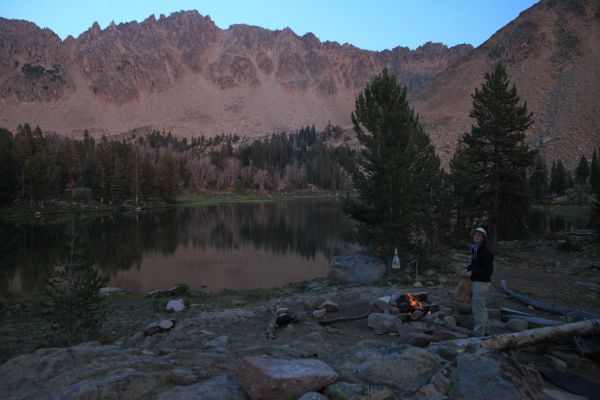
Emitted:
<point x="467" y="274"/>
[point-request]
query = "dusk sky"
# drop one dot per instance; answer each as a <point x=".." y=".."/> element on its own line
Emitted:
<point x="373" y="25"/>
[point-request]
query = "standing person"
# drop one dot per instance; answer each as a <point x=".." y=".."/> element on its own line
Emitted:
<point x="480" y="271"/>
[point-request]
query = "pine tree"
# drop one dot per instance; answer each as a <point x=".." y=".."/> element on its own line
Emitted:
<point x="464" y="183"/>
<point x="582" y="171"/>
<point x="558" y="178"/>
<point x="497" y="150"/>
<point x="396" y="173"/>
<point x="538" y="179"/>
<point x="168" y="178"/>
<point x="73" y="289"/>
<point x="8" y="170"/>
<point x="595" y="171"/>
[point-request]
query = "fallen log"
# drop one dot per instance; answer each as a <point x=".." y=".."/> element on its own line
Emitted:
<point x="529" y="337"/>
<point x="553" y="308"/>
<point x="532" y="319"/>
<point x="342" y="319"/>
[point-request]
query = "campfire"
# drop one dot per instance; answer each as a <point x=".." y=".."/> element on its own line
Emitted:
<point x="413" y="305"/>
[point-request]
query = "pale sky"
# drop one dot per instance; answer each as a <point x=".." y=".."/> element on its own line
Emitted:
<point x="373" y="25"/>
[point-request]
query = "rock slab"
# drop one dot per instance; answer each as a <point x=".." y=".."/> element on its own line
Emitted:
<point x="357" y="269"/>
<point x="279" y="379"/>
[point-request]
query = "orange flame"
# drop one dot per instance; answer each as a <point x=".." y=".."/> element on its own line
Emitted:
<point x="413" y="301"/>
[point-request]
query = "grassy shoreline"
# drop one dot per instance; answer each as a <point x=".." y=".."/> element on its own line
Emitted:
<point x="25" y="211"/>
<point x="566" y="210"/>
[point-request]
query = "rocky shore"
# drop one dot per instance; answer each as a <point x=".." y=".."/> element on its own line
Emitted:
<point x="216" y="347"/>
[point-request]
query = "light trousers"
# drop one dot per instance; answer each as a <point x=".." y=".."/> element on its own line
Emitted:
<point x="480" y="314"/>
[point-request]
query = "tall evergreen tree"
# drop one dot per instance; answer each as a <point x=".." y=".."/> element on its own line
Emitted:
<point x="582" y="171"/>
<point x="497" y="150"/>
<point x="595" y="171"/>
<point x="558" y="178"/>
<point x="464" y="183"/>
<point x="8" y="164"/>
<point x="538" y="179"/>
<point x="396" y="173"/>
<point x="168" y="178"/>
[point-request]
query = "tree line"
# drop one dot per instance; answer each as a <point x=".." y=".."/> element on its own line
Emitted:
<point x="37" y="166"/>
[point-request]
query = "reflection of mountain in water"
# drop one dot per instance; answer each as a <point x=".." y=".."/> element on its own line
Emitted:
<point x="119" y="242"/>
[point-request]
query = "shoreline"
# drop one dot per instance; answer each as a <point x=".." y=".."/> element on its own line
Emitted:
<point x="21" y="212"/>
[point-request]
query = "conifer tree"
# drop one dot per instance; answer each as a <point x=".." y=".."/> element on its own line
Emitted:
<point x="497" y="151"/>
<point x="595" y="171"/>
<point x="8" y="170"/>
<point x="168" y="178"/>
<point x="538" y="179"/>
<point x="464" y="184"/>
<point x="76" y="306"/>
<point x="396" y="173"/>
<point x="582" y="171"/>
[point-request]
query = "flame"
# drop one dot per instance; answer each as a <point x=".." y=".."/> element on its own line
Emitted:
<point x="413" y="301"/>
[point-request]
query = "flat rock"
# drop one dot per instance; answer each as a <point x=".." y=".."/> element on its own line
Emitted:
<point x="380" y="305"/>
<point x="217" y="388"/>
<point x="180" y="376"/>
<point x="279" y="379"/>
<point x="517" y="325"/>
<point x="217" y="342"/>
<point x="450" y="321"/>
<point x="175" y="305"/>
<point x="382" y="323"/>
<point x="357" y="269"/>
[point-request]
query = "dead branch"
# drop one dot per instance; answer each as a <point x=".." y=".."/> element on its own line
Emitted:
<point x="553" y="308"/>
<point x="331" y="321"/>
<point x="529" y="337"/>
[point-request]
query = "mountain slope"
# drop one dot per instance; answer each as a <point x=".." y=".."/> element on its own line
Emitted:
<point x="552" y="54"/>
<point x="184" y="74"/>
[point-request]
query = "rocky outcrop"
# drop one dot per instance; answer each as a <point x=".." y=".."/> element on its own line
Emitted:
<point x="184" y="73"/>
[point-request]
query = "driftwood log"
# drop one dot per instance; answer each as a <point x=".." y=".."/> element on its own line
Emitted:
<point x="529" y="337"/>
<point x="532" y="319"/>
<point x="553" y="308"/>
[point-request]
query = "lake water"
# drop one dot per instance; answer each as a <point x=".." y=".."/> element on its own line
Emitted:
<point x="212" y="248"/>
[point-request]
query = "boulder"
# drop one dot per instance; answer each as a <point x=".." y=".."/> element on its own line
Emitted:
<point x="357" y="269"/>
<point x="417" y="284"/>
<point x="329" y="306"/>
<point x="450" y="321"/>
<point x="403" y="368"/>
<point x="380" y="305"/>
<point x="165" y="324"/>
<point x="382" y="323"/>
<point x="517" y="325"/>
<point x="279" y="379"/>
<point x="441" y="335"/>
<point x="314" y="302"/>
<point x="175" y="305"/>
<point x="216" y="388"/>
<point x="480" y="376"/>
<point x="318" y="314"/>
<point x="180" y="376"/>
<point x="152" y="328"/>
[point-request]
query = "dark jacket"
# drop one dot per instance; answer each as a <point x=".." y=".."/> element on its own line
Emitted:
<point x="482" y="263"/>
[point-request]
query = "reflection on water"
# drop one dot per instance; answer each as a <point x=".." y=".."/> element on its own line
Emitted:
<point x="227" y="246"/>
<point x="543" y="222"/>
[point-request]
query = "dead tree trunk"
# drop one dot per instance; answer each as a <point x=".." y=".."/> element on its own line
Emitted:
<point x="529" y="337"/>
<point x="553" y="308"/>
<point x="532" y="319"/>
